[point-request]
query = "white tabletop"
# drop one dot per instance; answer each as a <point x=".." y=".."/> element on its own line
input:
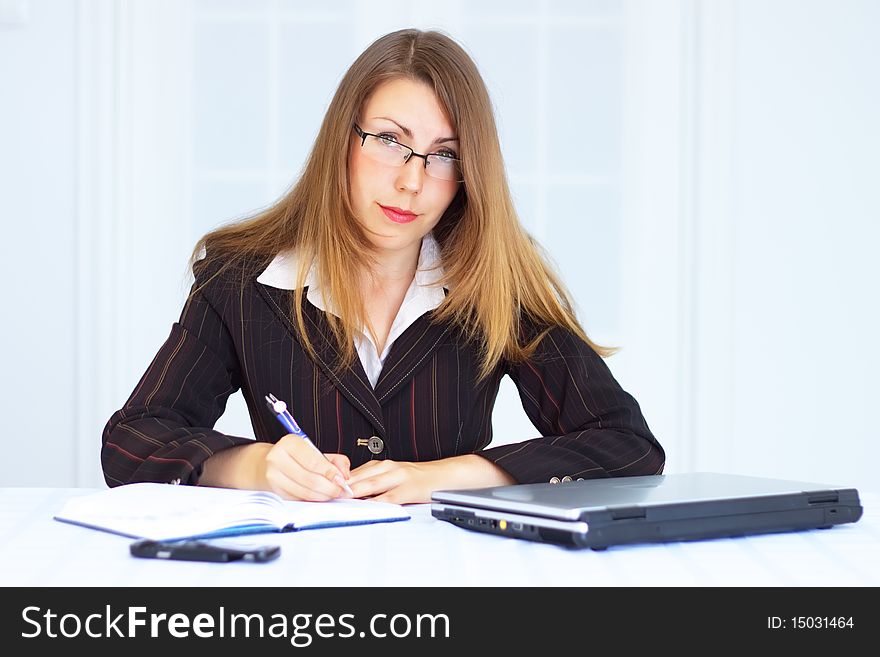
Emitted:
<point x="36" y="550"/>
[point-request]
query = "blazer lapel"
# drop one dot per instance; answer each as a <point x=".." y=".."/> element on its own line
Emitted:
<point x="351" y="382"/>
<point x="410" y="351"/>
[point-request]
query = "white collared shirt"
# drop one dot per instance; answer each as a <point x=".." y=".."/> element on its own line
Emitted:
<point x="423" y="294"/>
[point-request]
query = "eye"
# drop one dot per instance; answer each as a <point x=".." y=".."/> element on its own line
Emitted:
<point x="387" y="138"/>
<point x="446" y="155"/>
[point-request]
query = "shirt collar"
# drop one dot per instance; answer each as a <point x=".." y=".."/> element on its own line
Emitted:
<point x="281" y="274"/>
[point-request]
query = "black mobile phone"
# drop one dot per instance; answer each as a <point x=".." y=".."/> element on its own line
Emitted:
<point x="192" y="550"/>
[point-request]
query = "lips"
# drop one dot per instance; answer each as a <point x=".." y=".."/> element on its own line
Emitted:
<point x="398" y="215"/>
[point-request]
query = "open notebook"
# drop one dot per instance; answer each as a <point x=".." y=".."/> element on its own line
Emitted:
<point x="164" y="512"/>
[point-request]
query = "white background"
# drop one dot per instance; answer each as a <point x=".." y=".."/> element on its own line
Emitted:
<point x="704" y="175"/>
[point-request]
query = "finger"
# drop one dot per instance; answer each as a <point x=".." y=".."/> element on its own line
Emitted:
<point x="311" y="458"/>
<point x="327" y="466"/>
<point x="289" y="489"/>
<point x="342" y="463"/>
<point x="304" y="451"/>
<point x="370" y="469"/>
<point x="376" y="485"/>
<point x="365" y="466"/>
<point x="310" y="484"/>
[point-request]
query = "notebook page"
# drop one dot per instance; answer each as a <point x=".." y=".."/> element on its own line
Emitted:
<point x="160" y="511"/>
<point x="306" y="515"/>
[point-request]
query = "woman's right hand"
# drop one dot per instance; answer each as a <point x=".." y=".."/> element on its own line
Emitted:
<point x="292" y="468"/>
<point x="295" y="470"/>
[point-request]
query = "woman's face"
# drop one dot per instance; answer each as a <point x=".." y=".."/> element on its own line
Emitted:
<point x="407" y="112"/>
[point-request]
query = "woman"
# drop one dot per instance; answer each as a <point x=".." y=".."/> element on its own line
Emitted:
<point x="383" y="299"/>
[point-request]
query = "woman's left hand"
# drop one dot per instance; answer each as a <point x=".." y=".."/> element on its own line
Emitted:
<point x="403" y="482"/>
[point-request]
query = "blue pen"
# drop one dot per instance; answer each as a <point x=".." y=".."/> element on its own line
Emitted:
<point x="279" y="408"/>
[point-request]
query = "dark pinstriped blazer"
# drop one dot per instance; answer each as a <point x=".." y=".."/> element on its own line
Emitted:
<point x="426" y="404"/>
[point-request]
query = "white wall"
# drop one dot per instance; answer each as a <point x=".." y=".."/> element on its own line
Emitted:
<point x="806" y="228"/>
<point x="38" y="146"/>
<point x="703" y="174"/>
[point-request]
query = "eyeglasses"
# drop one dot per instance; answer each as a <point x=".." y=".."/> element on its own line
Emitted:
<point x="385" y="149"/>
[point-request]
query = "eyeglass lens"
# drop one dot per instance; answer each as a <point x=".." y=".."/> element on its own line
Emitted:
<point x="388" y="151"/>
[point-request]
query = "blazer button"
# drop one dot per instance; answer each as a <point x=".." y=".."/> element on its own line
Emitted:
<point x="375" y="444"/>
<point x="554" y="480"/>
<point x="566" y="479"/>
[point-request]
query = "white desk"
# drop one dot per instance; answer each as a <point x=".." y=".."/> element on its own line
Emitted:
<point x="36" y="550"/>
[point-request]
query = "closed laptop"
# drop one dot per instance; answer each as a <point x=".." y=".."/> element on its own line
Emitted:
<point x="599" y="513"/>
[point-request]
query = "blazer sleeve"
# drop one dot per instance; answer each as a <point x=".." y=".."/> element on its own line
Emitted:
<point x="590" y="426"/>
<point x="164" y="432"/>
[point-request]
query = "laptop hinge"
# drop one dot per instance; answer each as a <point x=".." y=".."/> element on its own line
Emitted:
<point x="823" y="498"/>
<point x="628" y="513"/>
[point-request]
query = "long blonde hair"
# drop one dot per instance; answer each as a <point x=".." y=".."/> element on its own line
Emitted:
<point x="494" y="270"/>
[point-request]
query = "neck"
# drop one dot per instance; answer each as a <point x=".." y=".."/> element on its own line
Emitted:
<point x="394" y="267"/>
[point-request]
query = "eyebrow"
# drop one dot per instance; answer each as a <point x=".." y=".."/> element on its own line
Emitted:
<point x="408" y="132"/>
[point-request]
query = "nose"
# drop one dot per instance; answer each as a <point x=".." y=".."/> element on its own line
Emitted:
<point x="411" y="176"/>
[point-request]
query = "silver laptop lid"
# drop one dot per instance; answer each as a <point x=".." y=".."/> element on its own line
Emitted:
<point x="569" y="500"/>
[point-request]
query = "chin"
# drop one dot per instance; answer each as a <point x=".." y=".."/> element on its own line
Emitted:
<point x="394" y="236"/>
<point x="391" y="242"/>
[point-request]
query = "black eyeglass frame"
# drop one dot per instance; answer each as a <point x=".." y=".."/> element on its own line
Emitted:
<point x="363" y="134"/>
